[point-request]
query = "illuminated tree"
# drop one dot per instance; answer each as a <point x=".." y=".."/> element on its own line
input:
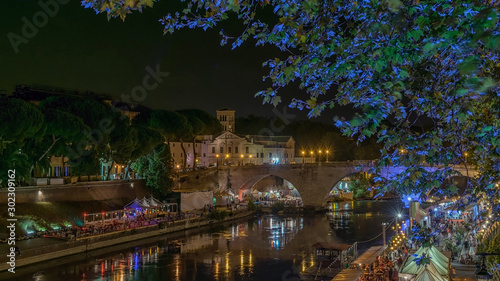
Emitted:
<point x="157" y="168"/>
<point x="421" y="75"/>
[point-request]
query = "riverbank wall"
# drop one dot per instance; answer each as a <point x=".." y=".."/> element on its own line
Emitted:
<point x="87" y="244"/>
<point x="82" y="191"/>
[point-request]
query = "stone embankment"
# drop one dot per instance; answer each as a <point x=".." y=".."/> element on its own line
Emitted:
<point x="87" y="244"/>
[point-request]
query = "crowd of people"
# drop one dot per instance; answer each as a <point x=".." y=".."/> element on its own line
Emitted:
<point x="385" y="267"/>
<point x="457" y="236"/>
<point x="109" y="226"/>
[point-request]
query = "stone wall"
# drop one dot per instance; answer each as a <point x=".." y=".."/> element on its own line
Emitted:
<point x="86" y="191"/>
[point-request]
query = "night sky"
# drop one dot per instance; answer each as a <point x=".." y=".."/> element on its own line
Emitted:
<point x="78" y="49"/>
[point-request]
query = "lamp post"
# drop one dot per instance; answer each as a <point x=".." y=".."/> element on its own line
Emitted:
<point x="303" y="156"/>
<point x="319" y="156"/>
<point x="327" y="156"/>
<point x="383" y="233"/>
<point x="217" y="157"/>
<point x="483" y="274"/>
<point x="312" y="153"/>
<point x="241" y="156"/>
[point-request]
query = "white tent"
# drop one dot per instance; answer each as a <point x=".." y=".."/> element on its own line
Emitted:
<point x="145" y="202"/>
<point x="429" y="273"/>
<point x="438" y="260"/>
<point x="153" y="202"/>
<point x="431" y="252"/>
<point x="135" y="204"/>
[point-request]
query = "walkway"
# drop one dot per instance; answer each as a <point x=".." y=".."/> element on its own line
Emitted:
<point x="352" y="274"/>
<point x="464" y="272"/>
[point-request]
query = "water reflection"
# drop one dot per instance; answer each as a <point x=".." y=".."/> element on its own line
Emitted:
<point x="258" y="249"/>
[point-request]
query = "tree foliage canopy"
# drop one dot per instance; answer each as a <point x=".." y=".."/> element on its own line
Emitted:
<point x="20" y="120"/>
<point x="157" y="168"/>
<point x="422" y="75"/>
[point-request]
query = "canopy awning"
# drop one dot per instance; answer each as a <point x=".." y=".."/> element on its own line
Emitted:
<point x="138" y="204"/>
<point x="154" y="202"/>
<point x="144" y="202"/>
<point x="429" y="273"/>
<point x="438" y="260"/>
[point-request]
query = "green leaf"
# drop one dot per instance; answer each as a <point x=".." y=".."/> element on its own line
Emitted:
<point x="429" y="47"/>
<point x="394" y="5"/>
<point x="379" y="65"/>
<point x="494" y="43"/>
<point x="469" y="65"/>
<point x="404" y="74"/>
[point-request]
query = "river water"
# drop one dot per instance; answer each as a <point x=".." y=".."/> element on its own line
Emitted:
<point x="262" y="248"/>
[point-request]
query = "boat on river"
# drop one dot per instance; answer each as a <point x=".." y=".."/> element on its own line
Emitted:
<point x="329" y="260"/>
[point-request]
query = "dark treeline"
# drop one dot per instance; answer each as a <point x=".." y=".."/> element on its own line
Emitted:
<point x="86" y="133"/>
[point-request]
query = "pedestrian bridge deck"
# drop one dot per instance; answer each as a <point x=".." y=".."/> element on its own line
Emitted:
<point x="353" y="273"/>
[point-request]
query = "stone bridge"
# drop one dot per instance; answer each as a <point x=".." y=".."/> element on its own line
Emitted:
<point x="313" y="181"/>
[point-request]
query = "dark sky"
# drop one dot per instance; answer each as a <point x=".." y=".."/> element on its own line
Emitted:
<point x="78" y="49"/>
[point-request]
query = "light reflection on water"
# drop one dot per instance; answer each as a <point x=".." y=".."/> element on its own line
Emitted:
<point x="267" y="248"/>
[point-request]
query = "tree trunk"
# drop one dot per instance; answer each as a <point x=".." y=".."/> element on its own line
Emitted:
<point x="109" y="170"/>
<point x="54" y="140"/>
<point x="127" y="169"/>
<point x="62" y="162"/>
<point x="185" y="156"/>
<point x="194" y="155"/>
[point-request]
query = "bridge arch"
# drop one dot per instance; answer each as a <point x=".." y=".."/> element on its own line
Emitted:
<point x="313" y="182"/>
<point x="253" y="184"/>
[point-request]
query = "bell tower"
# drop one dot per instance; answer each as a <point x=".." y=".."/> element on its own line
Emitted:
<point x="226" y="118"/>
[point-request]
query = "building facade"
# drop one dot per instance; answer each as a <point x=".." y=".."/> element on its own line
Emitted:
<point x="231" y="149"/>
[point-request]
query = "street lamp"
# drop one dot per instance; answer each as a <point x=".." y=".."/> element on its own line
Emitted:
<point x="397" y="217"/>
<point x="241" y="156"/>
<point x="303" y="155"/>
<point x="327" y="156"/>
<point x="319" y="156"/>
<point x="312" y="156"/>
